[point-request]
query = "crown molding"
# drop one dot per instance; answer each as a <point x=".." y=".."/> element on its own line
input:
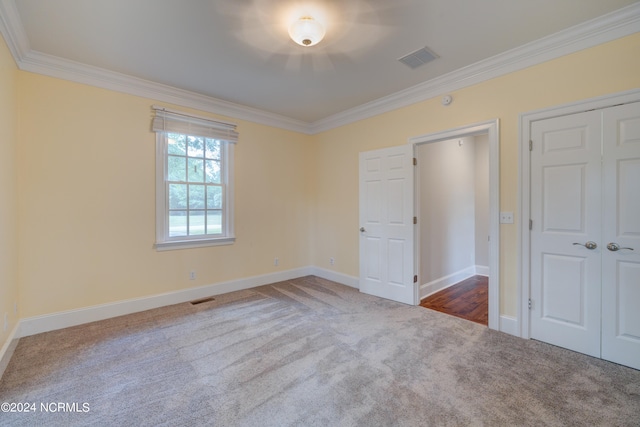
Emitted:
<point x="12" y="30"/>
<point x="37" y="62"/>
<point x="53" y="66"/>
<point x="620" y="23"/>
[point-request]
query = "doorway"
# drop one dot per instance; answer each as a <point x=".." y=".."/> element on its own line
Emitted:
<point x="452" y="201"/>
<point x="452" y="242"/>
<point x="388" y="205"/>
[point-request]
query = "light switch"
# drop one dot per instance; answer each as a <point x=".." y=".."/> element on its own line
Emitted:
<point x="506" y="217"/>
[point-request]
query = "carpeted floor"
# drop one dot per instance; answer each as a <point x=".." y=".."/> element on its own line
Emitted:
<point x="308" y="352"/>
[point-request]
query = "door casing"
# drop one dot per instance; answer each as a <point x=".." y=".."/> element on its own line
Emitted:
<point x="492" y="129"/>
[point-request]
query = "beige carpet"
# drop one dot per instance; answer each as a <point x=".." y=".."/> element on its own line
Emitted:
<point x="309" y="352"/>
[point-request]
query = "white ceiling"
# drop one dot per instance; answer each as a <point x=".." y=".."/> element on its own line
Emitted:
<point x="239" y="51"/>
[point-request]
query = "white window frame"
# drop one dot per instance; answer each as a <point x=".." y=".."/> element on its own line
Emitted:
<point x="163" y="241"/>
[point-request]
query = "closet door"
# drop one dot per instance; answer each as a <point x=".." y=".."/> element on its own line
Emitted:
<point x="621" y="235"/>
<point x="566" y="233"/>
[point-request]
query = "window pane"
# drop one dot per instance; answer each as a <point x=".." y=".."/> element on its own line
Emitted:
<point x="177" y="144"/>
<point x="214" y="222"/>
<point x="196" y="146"/>
<point x="196" y="222"/>
<point x="213" y="149"/>
<point x="194" y="180"/>
<point x="177" y="196"/>
<point x="214" y="197"/>
<point x="196" y="197"/>
<point x="177" y="168"/>
<point x="196" y="170"/>
<point x="177" y="223"/>
<point x="213" y="171"/>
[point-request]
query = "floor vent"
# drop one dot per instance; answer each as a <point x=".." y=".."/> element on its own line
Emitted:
<point x="418" y="58"/>
<point x="203" y="300"/>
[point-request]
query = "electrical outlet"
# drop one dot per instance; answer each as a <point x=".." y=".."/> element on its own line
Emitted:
<point x="192" y="275"/>
<point x="276" y="261"/>
<point x="15" y="308"/>
<point x="332" y="261"/>
<point x="6" y="321"/>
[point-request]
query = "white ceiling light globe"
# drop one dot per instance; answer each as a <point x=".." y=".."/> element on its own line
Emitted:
<point x="306" y="31"/>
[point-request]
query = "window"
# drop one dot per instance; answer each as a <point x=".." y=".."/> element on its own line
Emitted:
<point x="194" y="203"/>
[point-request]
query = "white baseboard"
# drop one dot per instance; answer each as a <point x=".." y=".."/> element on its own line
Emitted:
<point x="482" y="270"/>
<point x="343" y="279"/>
<point x="509" y="325"/>
<point x="446" y="281"/>
<point x="8" y="348"/>
<point x="65" y="319"/>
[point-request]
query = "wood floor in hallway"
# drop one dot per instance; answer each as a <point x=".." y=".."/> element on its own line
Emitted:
<point x="468" y="299"/>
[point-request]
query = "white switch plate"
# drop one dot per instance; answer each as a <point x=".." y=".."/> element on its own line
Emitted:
<point x="506" y="217"/>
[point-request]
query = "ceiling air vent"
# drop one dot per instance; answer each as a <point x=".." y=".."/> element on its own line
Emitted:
<point x="418" y="58"/>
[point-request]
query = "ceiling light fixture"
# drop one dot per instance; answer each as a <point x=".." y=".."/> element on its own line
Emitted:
<point x="306" y="31"/>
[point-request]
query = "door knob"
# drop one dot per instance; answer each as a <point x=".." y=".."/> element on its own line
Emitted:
<point x="589" y="245"/>
<point x="362" y="230"/>
<point x="614" y="247"/>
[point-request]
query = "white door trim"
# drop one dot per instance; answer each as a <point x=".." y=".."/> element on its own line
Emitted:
<point x="524" y="185"/>
<point x="492" y="128"/>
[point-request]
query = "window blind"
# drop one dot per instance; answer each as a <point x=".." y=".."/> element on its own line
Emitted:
<point x="175" y="122"/>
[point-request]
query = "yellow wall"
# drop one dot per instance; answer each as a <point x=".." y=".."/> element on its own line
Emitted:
<point x="86" y="183"/>
<point x="8" y="191"/>
<point x="608" y="68"/>
<point x="87" y="205"/>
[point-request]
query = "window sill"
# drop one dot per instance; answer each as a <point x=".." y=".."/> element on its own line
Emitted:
<point x="196" y="243"/>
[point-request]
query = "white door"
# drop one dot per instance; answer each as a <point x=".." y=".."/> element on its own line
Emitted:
<point x="621" y="236"/>
<point x="585" y="239"/>
<point x="386" y="224"/>
<point x="565" y="209"/>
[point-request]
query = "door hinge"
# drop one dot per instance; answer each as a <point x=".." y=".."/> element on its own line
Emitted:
<point x="415" y="219"/>
<point x="530" y="304"/>
<point x="530" y="145"/>
<point x="530" y="224"/>
<point x="415" y="279"/>
<point x="415" y="162"/>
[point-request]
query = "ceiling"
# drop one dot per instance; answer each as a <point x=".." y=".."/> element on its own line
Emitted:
<point x="238" y="51"/>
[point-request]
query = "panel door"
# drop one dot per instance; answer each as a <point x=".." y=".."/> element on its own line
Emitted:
<point x="621" y="234"/>
<point x="386" y="224"/>
<point x="565" y="237"/>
